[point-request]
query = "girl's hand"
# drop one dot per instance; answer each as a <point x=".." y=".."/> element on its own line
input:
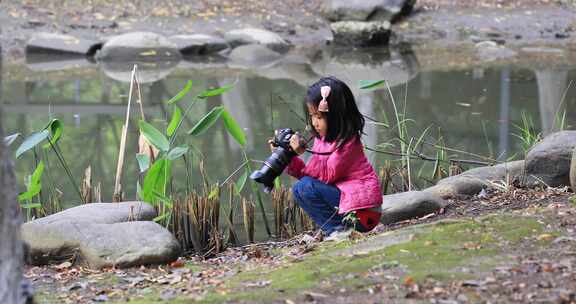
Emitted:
<point x="271" y="143"/>
<point x="296" y="144"/>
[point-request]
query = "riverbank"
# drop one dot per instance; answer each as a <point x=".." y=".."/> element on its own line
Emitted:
<point x="502" y="246"/>
<point x="437" y="22"/>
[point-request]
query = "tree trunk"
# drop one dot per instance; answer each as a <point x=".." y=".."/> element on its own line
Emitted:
<point x="11" y="250"/>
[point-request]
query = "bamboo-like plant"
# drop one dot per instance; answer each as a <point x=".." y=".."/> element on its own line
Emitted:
<point x="45" y="139"/>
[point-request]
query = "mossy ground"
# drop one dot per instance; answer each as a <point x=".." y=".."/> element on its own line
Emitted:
<point x="432" y="251"/>
<point x="531" y="236"/>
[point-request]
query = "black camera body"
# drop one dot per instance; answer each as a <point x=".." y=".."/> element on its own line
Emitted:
<point x="275" y="164"/>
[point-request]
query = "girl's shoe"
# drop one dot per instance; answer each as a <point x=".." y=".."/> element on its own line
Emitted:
<point x="338" y="235"/>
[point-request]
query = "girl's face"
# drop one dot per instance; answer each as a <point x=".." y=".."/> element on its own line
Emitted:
<point x="318" y="120"/>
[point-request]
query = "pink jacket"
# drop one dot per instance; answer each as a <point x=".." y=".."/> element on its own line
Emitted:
<point x="347" y="168"/>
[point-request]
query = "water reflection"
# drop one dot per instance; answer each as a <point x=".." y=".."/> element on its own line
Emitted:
<point x="476" y="108"/>
<point x="552" y="89"/>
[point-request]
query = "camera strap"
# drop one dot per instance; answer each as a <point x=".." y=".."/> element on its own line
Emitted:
<point x="326" y="153"/>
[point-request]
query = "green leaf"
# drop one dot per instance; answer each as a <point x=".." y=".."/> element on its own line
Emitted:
<point x="182" y="93"/>
<point x="37" y="175"/>
<point x="31" y="141"/>
<point x="29" y="194"/>
<point x="139" y="192"/>
<point x="177" y="152"/>
<point x="161" y="217"/>
<point x="277" y="182"/>
<point x="56" y="128"/>
<point x="8" y="140"/>
<point x="207" y="121"/>
<point x="161" y="197"/>
<point x="241" y="182"/>
<point x="176" y="116"/>
<point x="216" y="91"/>
<point x="154" y="137"/>
<point x="143" y="162"/>
<point x="233" y="128"/>
<point x="371" y="84"/>
<point x="31" y="206"/>
<point x="34" y="185"/>
<point x="214" y="192"/>
<point x="156" y="179"/>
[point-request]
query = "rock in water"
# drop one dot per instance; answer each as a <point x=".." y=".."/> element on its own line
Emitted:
<point x="50" y="43"/>
<point x="199" y="44"/>
<point x="256" y="36"/>
<point x="359" y="33"/>
<point x="365" y="10"/>
<point x="139" y="46"/>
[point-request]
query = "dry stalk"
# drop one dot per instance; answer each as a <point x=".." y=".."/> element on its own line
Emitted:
<point x="404" y="175"/>
<point x="454" y="169"/>
<point x="232" y="238"/>
<point x="98" y="193"/>
<point x="287" y="214"/>
<point x="87" y="193"/>
<point x="385" y="176"/>
<point x="195" y="223"/>
<point x="118" y="195"/>
<point x="248" y="214"/>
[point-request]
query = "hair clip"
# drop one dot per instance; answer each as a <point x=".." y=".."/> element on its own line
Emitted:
<point x="324" y="92"/>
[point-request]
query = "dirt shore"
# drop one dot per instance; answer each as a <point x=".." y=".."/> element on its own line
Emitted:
<point x="441" y="22"/>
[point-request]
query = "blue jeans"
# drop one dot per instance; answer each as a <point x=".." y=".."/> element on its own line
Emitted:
<point x="320" y="201"/>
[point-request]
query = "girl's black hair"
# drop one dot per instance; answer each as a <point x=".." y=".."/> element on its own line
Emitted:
<point x="343" y="117"/>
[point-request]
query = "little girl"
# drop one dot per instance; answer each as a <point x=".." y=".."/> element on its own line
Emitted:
<point x="338" y="188"/>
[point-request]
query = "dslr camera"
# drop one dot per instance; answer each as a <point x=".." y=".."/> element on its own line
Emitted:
<point x="275" y="164"/>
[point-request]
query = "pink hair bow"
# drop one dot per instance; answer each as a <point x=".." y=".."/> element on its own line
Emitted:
<point x="324" y="92"/>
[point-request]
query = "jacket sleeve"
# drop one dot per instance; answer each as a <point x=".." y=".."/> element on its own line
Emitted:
<point x="296" y="167"/>
<point x="339" y="162"/>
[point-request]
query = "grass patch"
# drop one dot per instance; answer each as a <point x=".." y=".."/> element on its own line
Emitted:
<point x="434" y="250"/>
<point x="573" y="201"/>
<point x="513" y="228"/>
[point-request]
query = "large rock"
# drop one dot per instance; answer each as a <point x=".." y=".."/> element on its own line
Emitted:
<point x="47" y="62"/>
<point x="199" y="44"/>
<point x="407" y="205"/>
<point x="101" y="235"/>
<point x="139" y="46"/>
<point x="473" y="181"/>
<point x="102" y="213"/>
<point x="549" y="160"/>
<point x="50" y="43"/>
<point x="365" y="10"/>
<point x="256" y="36"/>
<point x="359" y="33"/>
<point x="573" y="171"/>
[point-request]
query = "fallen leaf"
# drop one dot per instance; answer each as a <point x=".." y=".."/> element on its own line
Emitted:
<point x="63" y="266"/>
<point x="408" y="280"/>
<point x="545" y="237"/>
<point x="547" y="268"/>
<point x="177" y="264"/>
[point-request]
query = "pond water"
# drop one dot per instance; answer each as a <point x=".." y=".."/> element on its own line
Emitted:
<point x="474" y="107"/>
